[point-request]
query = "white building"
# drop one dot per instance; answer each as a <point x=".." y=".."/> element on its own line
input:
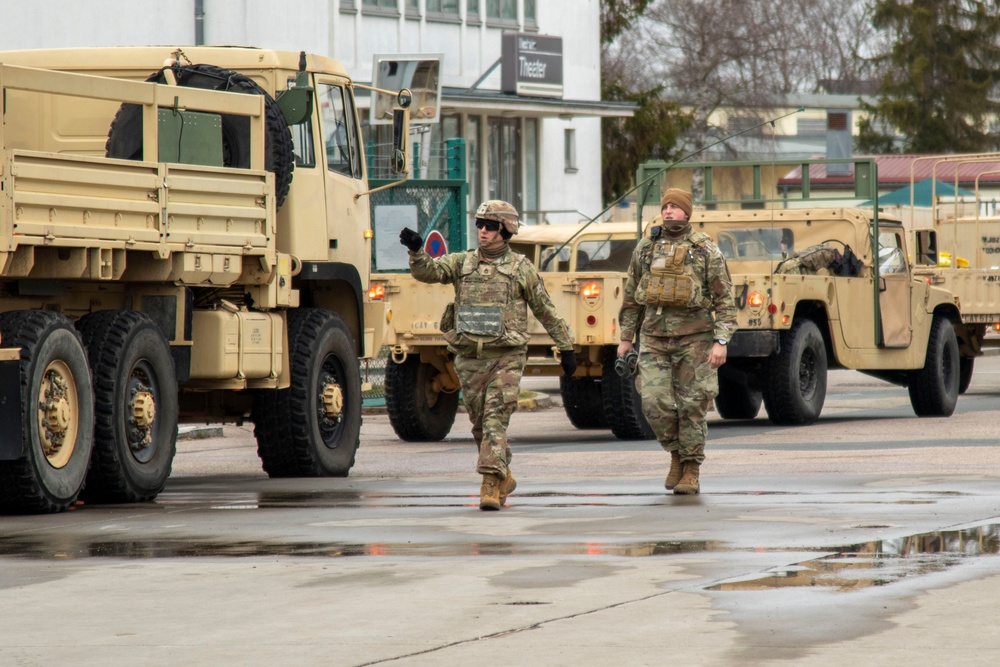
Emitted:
<point x="541" y="153"/>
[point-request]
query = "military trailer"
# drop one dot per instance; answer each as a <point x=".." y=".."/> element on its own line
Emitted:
<point x="160" y="265"/>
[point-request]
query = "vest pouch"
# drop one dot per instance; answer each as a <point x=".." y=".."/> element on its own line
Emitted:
<point x="479" y="320"/>
<point x="669" y="284"/>
<point x="447" y="318"/>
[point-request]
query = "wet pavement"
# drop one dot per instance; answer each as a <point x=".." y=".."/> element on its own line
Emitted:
<point x="869" y="536"/>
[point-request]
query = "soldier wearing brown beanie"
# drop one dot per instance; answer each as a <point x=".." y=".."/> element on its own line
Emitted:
<point x="678" y="299"/>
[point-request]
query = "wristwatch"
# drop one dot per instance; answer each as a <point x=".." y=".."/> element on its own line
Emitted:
<point x="721" y="341"/>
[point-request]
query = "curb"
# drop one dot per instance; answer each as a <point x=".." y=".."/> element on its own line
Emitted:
<point x="188" y="432"/>
<point x="531" y="400"/>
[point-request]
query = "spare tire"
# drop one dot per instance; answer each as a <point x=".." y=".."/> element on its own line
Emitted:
<point x="125" y="135"/>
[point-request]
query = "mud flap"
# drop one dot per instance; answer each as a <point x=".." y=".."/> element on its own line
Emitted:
<point x="12" y="433"/>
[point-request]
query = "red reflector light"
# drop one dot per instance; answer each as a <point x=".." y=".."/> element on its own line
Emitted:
<point x="591" y="290"/>
<point x="771" y="308"/>
<point x="376" y="291"/>
<point x="591" y="320"/>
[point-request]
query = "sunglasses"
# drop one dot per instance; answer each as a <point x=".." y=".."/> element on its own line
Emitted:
<point x="488" y="225"/>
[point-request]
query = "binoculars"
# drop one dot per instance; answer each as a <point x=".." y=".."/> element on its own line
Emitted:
<point x="625" y="366"/>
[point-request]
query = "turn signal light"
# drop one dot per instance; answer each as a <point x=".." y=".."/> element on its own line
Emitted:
<point x="591" y="290"/>
<point x="755" y="300"/>
<point x="376" y="292"/>
<point x="996" y="326"/>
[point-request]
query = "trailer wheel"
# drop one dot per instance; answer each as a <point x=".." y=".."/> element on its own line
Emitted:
<point x="56" y="424"/>
<point x="965" y="367"/>
<point x="934" y="388"/>
<point x="622" y="403"/>
<point x="417" y="410"/>
<point x="135" y="406"/>
<point x="312" y="428"/>
<point x="737" y="400"/>
<point x="795" y="380"/>
<point x="583" y="402"/>
<point x="125" y="135"/>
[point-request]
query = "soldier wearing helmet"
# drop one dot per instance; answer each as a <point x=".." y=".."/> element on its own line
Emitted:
<point x="486" y="328"/>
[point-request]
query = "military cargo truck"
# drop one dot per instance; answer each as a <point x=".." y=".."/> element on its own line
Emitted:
<point x="161" y="266"/>
<point x="583" y="267"/>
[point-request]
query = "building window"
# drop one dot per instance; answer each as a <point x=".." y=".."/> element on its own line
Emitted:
<point x="473" y="172"/>
<point x="569" y="151"/>
<point x="472" y="12"/>
<point x="530" y="16"/>
<point x="348" y="7"/>
<point x="413" y="9"/>
<point x="501" y="11"/>
<point x="387" y="7"/>
<point x="447" y="8"/>
<point x="530" y="214"/>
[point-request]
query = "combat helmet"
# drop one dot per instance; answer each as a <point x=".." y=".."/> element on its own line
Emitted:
<point x="502" y="212"/>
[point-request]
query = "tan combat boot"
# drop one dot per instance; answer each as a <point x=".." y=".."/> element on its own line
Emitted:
<point x="489" y="493"/>
<point x="676" y="470"/>
<point x="507" y="487"/>
<point x="689" y="482"/>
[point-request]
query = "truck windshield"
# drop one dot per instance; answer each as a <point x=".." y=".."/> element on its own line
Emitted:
<point x="605" y="254"/>
<point x="771" y="243"/>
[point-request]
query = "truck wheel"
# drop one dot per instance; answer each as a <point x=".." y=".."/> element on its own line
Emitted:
<point x="312" y="428"/>
<point x="125" y="135"/>
<point x="135" y="406"/>
<point x="56" y="425"/>
<point x="622" y="403"/>
<point x="965" y="366"/>
<point x="583" y="402"/>
<point x="795" y="380"/>
<point x="417" y="411"/>
<point x="736" y="400"/>
<point x="934" y="388"/>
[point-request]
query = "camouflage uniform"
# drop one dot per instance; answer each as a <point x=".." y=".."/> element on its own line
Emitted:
<point x="680" y="292"/>
<point x="487" y="330"/>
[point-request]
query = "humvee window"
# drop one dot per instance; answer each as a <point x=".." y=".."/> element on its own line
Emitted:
<point x="775" y="243"/>
<point x="604" y="255"/>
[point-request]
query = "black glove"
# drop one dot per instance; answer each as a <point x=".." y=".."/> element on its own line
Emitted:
<point x="410" y="239"/>
<point x="567" y="359"/>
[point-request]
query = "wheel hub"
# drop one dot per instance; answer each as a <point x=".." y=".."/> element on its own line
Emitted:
<point x="57" y="418"/>
<point x="333" y="401"/>
<point x="143" y="415"/>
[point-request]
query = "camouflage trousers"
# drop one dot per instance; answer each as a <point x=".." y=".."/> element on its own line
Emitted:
<point x="677" y="386"/>
<point x="490" y="387"/>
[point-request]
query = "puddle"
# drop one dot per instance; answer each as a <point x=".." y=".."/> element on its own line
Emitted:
<point x="878" y="563"/>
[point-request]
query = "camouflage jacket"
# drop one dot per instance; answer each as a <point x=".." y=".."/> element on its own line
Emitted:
<point x="491" y="300"/>
<point x="715" y="312"/>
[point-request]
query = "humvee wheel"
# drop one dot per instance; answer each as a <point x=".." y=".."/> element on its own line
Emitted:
<point x="312" y="428"/>
<point x="56" y="424"/>
<point x="736" y="400"/>
<point x="934" y="388"/>
<point x="794" y="387"/>
<point x="135" y="392"/>
<point x="583" y="402"/>
<point x="965" y="366"/>
<point x="419" y="410"/>
<point x="622" y="403"/>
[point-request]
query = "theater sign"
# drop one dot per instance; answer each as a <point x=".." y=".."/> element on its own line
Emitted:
<point x="532" y="64"/>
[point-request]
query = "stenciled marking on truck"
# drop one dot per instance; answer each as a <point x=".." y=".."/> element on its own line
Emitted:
<point x="991" y="245"/>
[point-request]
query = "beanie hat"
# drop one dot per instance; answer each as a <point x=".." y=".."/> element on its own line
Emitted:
<point x="679" y="198"/>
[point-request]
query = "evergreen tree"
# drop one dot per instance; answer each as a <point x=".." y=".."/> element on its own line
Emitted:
<point x="939" y="82"/>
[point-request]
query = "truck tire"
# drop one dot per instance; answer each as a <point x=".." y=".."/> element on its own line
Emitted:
<point x="794" y="388"/>
<point x="135" y="406"/>
<point x="622" y="403"/>
<point x="125" y="135"/>
<point x="737" y="400"/>
<point x="583" y="402"/>
<point x="312" y="428"/>
<point x="57" y="414"/>
<point x="417" y="412"/>
<point x="965" y="368"/>
<point x="934" y="388"/>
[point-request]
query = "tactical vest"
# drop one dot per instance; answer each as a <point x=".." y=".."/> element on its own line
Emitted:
<point x="487" y="312"/>
<point x="671" y="274"/>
